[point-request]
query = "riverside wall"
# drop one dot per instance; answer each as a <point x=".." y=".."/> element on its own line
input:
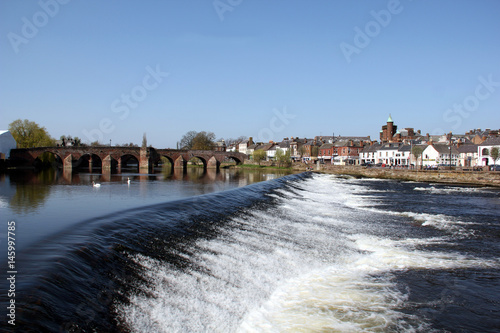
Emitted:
<point x="480" y="178"/>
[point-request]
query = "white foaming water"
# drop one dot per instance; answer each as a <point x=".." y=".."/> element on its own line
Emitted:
<point x="447" y="190"/>
<point x="312" y="263"/>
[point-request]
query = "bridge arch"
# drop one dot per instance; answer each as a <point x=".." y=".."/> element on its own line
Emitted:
<point x="129" y="161"/>
<point x="47" y="158"/>
<point x="203" y="160"/>
<point x="234" y="158"/>
<point x="90" y="161"/>
<point x="165" y="162"/>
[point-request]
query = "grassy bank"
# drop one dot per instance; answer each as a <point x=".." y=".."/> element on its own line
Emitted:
<point x="261" y="167"/>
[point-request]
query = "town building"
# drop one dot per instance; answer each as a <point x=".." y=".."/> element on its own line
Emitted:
<point x="327" y="152"/>
<point x="220" y="145"/>
<point x="439" y="155"/>
<point x="468" y="155"/>
<point x="388" y="131"/>
<point x="346" y="152"/>
<point x="388" y="153"/>
<point x="265" y="147"/>
<point x="243" y="145"/>
<point x="369" y="154"/>
<point x="7" y="142"/>
<point x="484" y="150"/>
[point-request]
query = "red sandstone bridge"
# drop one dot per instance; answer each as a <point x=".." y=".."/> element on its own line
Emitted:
<point x="114" y="158"/>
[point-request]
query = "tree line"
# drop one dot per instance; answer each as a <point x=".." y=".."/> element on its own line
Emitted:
<point x="28" y="134"/>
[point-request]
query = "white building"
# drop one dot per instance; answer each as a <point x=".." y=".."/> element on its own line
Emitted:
<point x="7" y="142"/>
<point x="386" y="154"/>
<point x="439" y="154"/>
<point x="369" y="154"/>
<point x="243" y="146"/>
<point x="271" y="152"/>
<point x="468" y="155"/>
<point x="484" y="150"/>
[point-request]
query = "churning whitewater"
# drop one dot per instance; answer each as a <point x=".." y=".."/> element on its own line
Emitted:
<point x="321" y="253"/>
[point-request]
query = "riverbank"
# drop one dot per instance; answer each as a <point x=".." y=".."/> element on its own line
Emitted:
<point x="481" y="178"/>
<point x="263" y="167"/>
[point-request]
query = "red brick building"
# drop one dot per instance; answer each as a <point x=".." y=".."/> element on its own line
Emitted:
<point x="388" y="131"/>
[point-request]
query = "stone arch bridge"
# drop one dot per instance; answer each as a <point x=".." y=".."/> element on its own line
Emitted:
<point x="113" y="158"/>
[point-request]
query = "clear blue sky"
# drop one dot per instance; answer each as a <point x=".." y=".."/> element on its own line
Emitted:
<point x="233" y="67"/>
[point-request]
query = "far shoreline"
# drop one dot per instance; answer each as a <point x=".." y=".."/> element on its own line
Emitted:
<point x="479" y="178"/>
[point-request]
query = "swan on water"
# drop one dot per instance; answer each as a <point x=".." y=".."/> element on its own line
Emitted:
<point x="128" y="180"/>
<point x="95" y="185"/>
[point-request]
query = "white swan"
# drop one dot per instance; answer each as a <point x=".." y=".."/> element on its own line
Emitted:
<point x="95" y="185"/>
<point x="128" y="180"/>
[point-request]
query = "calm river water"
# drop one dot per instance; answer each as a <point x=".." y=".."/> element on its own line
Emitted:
<point x="239" y="251"/>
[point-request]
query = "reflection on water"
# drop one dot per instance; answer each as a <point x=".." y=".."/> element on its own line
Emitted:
<point x="48" y="201"/>
<point x="26" y="190"/>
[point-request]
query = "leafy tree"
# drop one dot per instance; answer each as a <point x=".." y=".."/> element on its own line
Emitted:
<point x="204" y="141"/>
<point x="29" y="134"/>
<point x="494" y="154"/>
<point x="193" y="140"/>
<point x="417" y="152"/>
<point x="144" y="141"/>
<point x="96" y="144"/>
<point x="259" y="155"/>
<point x="288" y="158"/>
<point x="282" y="157"/>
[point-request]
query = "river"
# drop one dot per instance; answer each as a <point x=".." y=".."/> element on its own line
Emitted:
<point x="240" y="251"/>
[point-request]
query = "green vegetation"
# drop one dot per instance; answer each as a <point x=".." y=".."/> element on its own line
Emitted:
<point x="417" y="152"/>
<point x="259" y="155"/>
<point x="193" y="140"/>
<point x="254" y="166"/>
<point x="283" y="158"/>
<point x="29" y="134"/>
<point x="494" y="154"/>
<point x="69" y="140"/>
